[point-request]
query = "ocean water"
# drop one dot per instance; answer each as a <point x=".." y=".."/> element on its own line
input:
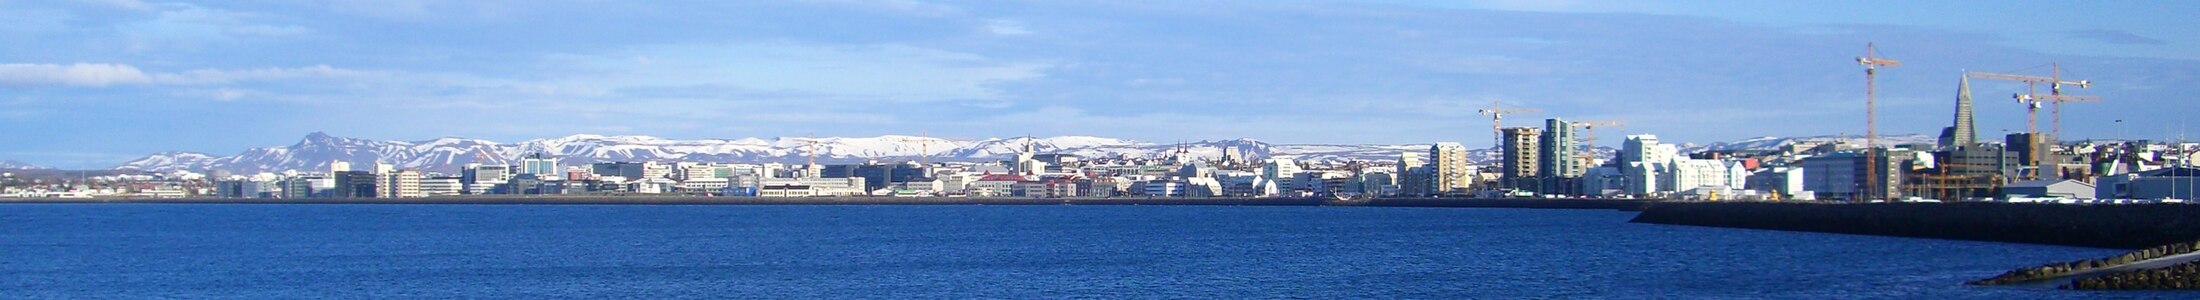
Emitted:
<point x="76" y="251"/>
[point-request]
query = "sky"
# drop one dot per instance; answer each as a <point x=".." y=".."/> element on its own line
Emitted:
<point x="90" y="84"/>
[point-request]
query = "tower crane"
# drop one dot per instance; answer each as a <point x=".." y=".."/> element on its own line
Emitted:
<point x="810" y="144"/>
<point x="1497" y="120"/>
<point x="924" y="148"/>
<point x="1589" y="136"/>
<point x="2032" y="99"/>
<point x="1871" y="62"/>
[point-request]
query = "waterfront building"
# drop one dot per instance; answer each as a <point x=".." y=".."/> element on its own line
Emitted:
<point x="1413" y="179"/>
<point x="352" y="184"/>
<point x="400" y="184"/>
<point x="2049" y="188"/>
<point x="1839" y="175"/>
<point x="541" y="166"/>
<point x="812" y="187"/>
<point x="441" y="186"/>
<point x="2164" y="183"/>
<point x="1556" y="157"/>
<point x="1522" y="154"/>
<point x="1450" y="172"/>
<point x="1283" y="170"/>
<point x="1786" y="182"/>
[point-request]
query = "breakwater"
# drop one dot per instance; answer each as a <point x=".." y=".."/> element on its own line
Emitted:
<point x="684" y="200"/>
<point x="2130" y="261"/>
<point x="2185" y="276"/>
<point x="1615" y="204"/>
<point x="681" y="200"/>
<point x="2103" y="226"/>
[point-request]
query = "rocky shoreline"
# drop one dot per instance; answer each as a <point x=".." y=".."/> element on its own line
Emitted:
<point x="2066" y="269"/>
<point x="2185" y="276"/>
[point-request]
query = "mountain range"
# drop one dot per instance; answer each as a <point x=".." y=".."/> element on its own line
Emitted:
<point x="317" y="150"/>
<point x="17" y="165"/>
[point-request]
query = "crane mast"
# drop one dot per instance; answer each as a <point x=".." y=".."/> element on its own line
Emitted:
<point x="1871" y="62"/>
<point x="1497" y="115"/>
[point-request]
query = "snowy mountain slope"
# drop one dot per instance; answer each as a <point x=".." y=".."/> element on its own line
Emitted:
<point x="1772" y="143"/>
<point x="17" y="165"/>
<point x="317" y="150"/>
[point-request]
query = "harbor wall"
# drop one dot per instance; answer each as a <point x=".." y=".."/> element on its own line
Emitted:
<point x="2104" y="226"/>
<point x="678" y="200"/>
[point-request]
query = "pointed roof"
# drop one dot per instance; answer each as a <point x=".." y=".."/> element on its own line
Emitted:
<point x="1965" y="132"/>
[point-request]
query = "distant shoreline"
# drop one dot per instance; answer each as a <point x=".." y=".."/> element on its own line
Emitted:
<point x="631" y="200"/>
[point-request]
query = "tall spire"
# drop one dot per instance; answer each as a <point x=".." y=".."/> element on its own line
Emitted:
<point x="1965" y="132"/>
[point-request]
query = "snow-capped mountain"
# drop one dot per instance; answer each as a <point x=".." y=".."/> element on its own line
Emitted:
<point x="1772" y="143"/>
<point x="169" y="161"/>
<point x="317" y="150"/>
<point x="17" y="165"/>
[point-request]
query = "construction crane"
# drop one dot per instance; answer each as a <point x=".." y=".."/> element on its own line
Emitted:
<point x="809" y="143"/>
<point x="1871" y="62"/>
<point x="924" y="148"/>
<point x="2032" y="99"/>
<point x="1589" y="137"/>
<point x="1497" y="120"/>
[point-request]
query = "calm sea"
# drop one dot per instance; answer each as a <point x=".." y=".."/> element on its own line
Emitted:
<point x="75" y="251"/>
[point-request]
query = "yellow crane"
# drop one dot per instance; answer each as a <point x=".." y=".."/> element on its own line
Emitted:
<point x="2032" y="99"/>
<point x="1589" y="137"/>
<point x="809" y="143"/>
<point x="1871" y="62"/>
<point x="1497" y="113"/>
<point x="924" y="148"/>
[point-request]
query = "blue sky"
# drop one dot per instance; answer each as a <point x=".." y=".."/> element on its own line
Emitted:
<point x="88" y="84"/>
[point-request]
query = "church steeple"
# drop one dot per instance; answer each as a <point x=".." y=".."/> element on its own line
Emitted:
<point x="1965" y="132"/>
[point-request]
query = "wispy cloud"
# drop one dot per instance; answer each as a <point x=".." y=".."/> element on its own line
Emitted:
<point x="105" y="74"/>
<point x="1006" y="27"/>
<point x="2113" y="37"/>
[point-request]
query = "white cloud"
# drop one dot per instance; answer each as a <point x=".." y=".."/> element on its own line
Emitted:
<point x="122" y="4"/>
<point x="1006" y="27"/>
<point x="80" y="74"/>
<point x="102" y="74"/>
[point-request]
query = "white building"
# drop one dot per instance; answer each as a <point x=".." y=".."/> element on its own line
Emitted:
<point x="1283" y="170"/>
<point x="812" y="187"/>
<point x="399" y="184"/>
<point x="441" y="186"/>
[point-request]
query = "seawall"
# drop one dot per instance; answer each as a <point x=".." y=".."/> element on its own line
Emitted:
<point x="677" y="200"/>
<point x="2102" y="226"/>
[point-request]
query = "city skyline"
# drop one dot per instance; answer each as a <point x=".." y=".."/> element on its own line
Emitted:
<point x="94" y="83"/>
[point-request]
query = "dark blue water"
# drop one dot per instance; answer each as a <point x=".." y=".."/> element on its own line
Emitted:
<point x="585" y="251"/>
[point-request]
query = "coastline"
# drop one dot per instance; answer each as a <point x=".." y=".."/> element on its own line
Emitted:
<point x="675" y="200"/>
<point x="2133" y="226"/>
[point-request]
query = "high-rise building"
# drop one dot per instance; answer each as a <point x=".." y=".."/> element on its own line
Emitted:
<point x="1557" y="165"/>
<point x="1557" y="151"/>
<point x="1449" y="170"/>
<point x="338" y="166"/>
<point x="1521" y="154"/>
